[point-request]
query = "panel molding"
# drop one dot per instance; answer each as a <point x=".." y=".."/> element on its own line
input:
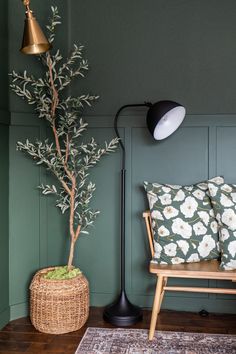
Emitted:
<point x="188" y="303"/>
<point x="131" y="119"/>
<point x="4" y="117"/>
<point x="19" y="310"/>
<point x="146" y="301"/>
<point x="204" y="127"/>
<point x="24" y="224"/>
<point x="4" y="215"/>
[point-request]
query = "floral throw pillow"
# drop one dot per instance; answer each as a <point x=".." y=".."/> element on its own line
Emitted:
<point x="224" y="204"/>
<point x="183" y="222"/>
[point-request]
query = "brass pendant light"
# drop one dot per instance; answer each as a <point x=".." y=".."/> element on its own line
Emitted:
<point x="34" y="41"/>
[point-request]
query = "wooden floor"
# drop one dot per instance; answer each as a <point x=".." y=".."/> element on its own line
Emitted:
<point x="19" y="336"/>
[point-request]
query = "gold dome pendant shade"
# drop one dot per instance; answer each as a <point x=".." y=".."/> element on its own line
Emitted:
<point x="34" y="41"/>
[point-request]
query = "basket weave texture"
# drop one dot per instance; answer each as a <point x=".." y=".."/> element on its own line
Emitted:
<point x="58" y="306"/>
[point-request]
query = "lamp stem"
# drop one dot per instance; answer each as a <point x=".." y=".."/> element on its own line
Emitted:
<point x="122" y="231"/>
<point x="122" y="189"/>
<point x="122" y="312"/>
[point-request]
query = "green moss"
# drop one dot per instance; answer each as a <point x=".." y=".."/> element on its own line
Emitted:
<point x="61" y="273"/>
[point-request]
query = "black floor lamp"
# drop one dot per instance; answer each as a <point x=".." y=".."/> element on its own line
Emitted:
<point x="163" y="118"/>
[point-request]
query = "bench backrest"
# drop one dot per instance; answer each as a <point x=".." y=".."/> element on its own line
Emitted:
<point x="148" y="222"/>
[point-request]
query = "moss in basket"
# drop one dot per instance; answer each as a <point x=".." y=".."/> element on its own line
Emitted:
<point x="61" y="273"/>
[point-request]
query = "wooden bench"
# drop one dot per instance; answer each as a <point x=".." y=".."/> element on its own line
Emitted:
<point x="199" y="270"/>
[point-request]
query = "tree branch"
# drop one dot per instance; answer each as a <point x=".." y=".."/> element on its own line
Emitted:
<point x="55" y="102"/>
<point x="67" y="148"/>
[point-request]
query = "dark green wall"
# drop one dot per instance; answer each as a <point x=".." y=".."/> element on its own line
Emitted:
<point x="4" y="55"/>
<point x="138" y="50"/>
<point x="147" y="49"/>
<point x="4" y="234"/>
<point x="4" y="168"/>
<point x="154" y="49"/>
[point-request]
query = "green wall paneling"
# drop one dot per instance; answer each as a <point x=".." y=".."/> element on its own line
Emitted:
<point x="102" y="244"/>
<point x="4" y="167"/>
<point x="4" y="242"/>
<point x="24" y="216"/>
<point x="226" y="152"/>
<point x="192" y="154"/>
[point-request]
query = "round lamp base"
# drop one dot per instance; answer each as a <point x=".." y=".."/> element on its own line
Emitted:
<point x="122" y="313"/>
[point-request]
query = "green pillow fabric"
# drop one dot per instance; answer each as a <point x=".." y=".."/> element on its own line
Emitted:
<point x="224" y="204"/>
<point x="183" y="222"/>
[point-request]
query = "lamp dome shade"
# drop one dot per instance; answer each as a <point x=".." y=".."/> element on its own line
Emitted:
<point x="164" y="117"/>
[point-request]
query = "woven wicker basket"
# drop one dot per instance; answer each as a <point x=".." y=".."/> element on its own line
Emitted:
<point x="58" y="306"/>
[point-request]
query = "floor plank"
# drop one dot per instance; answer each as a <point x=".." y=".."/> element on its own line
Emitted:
<point x="20" y="336"/>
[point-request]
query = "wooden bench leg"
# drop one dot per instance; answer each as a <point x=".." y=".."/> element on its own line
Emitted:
<point x="164" y="283"/>
<point x="156" y="306"/>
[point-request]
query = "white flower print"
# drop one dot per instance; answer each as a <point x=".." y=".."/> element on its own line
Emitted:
<point x="153" y="224"/>
<point x="225" y="201"/>
<point x="174" y="186"/>
<point x="166" y="189"/>
<point x="202" y="186"/>
<point x="229" y="218"/>
<point x="224" y="234"/>
<point x="233" y="196"/>
<point x="226" y="188"/>
<point x="199" y="194"/>
<point x="206" y="246"/>
<point x="189" y="207"/>
<point x="156" y="214"/>
<point x="189" y="188"/>
<point x="170" y="249"/>
<point x="199" y="228"/>
<point x="165" y="199"/>
<point x="214" y="227"/>
<point x="230" y="265"/>
<point x="232" y="248"/>
<point x="152" y="198"/>
<point x="163" y="231"/>
<point x="212" y="189"/>
<point x="217" y="180"/>
<point x="177" y="260"/>
<point x="204" y="216"/>
<point x="182" y="228"/>
<point x="157" y="185"/>
<point x="193" y="258"/>
<point x="158" y="249"/>
<point x="184" y="246"/>
<point x="170" y="212"/>
<point x="179" y="196"/>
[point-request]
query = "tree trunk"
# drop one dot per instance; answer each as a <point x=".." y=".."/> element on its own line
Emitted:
<point x="71" y="256"/>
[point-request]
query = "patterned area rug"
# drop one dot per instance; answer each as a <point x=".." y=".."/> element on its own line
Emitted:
<point x="135" y="341"/>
